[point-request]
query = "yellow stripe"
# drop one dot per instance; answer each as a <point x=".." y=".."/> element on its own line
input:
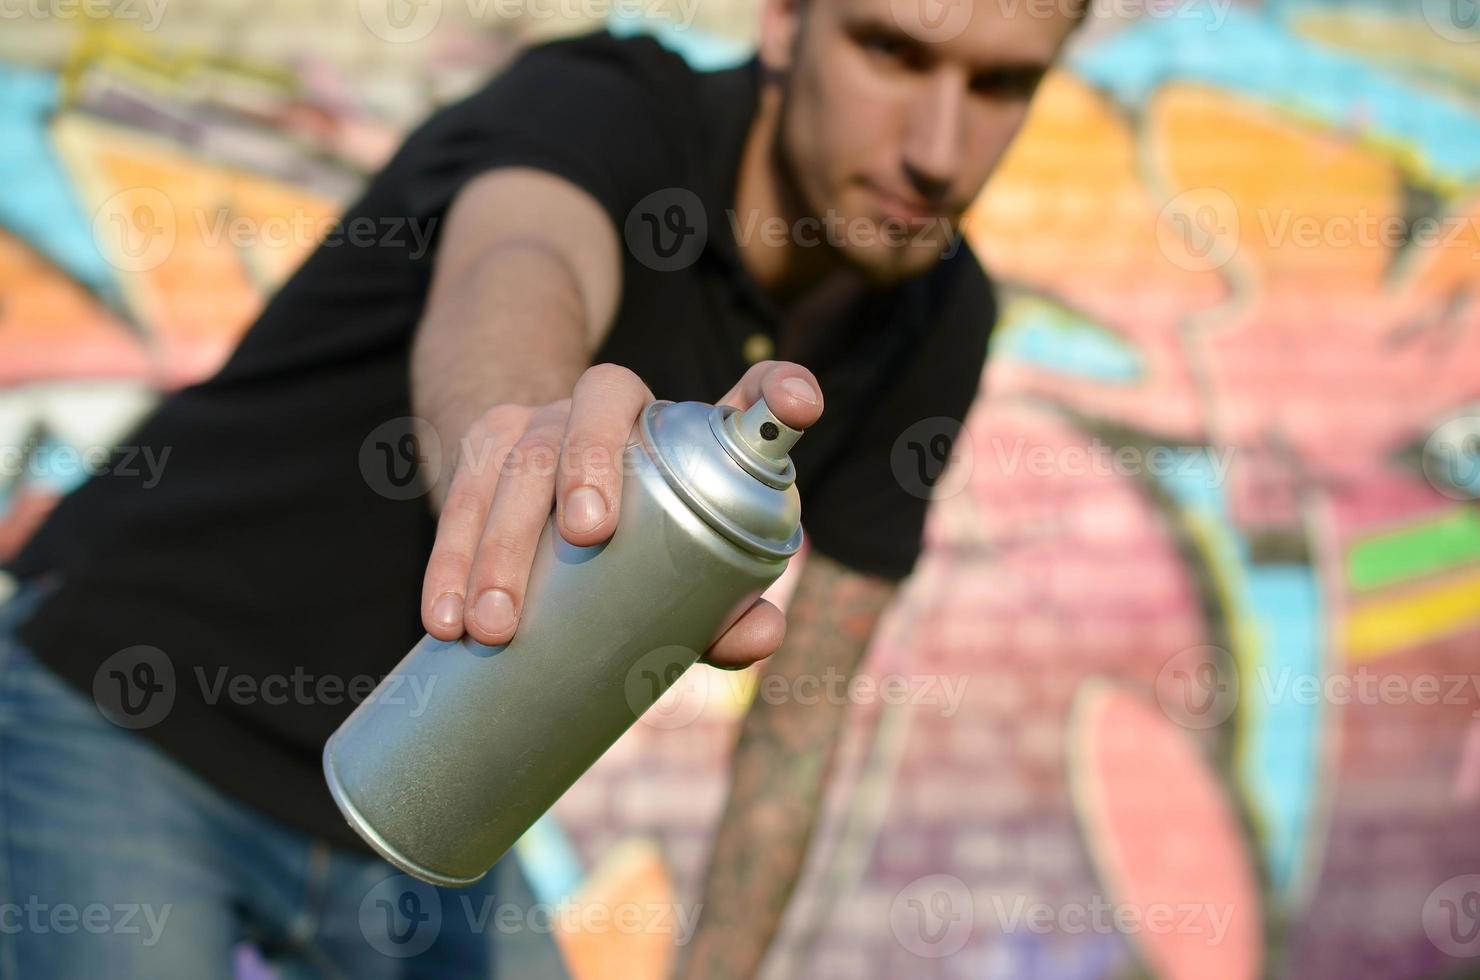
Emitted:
<point x="1378" y="628"/>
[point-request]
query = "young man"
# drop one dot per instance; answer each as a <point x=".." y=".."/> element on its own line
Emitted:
<point x="610" y="226"/>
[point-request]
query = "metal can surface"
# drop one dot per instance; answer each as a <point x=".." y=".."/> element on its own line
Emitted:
<point x="443" y="784"/>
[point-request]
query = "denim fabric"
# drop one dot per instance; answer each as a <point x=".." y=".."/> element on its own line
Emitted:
<point x="117" y="862"/>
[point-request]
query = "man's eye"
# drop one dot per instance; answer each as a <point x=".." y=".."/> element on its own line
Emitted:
<point x="1007" y="85"/>
<point x="893" y="49"/>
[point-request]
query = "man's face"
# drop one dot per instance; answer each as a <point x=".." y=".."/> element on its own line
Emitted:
<point x="895" y="112"/>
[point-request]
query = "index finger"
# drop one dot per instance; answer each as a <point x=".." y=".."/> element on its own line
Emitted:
<point x="791" y="392"/>
<point x="588" y="486"/>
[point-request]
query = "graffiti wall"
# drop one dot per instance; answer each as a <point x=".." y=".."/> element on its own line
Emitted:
<point x="1242" y="250"/>
<point x="1188" y="678"/>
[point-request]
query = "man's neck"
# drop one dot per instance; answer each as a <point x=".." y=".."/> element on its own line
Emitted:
<point x="765" y="201"/>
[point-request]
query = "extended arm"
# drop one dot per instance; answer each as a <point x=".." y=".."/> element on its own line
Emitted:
<point x="780" y="770"/>
<point x="526" y="286"/>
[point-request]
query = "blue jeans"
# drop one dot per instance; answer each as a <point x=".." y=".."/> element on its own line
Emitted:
<point x="117" y="862"/>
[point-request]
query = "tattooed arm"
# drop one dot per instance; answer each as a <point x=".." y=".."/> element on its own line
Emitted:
<point x="781" y="768"/>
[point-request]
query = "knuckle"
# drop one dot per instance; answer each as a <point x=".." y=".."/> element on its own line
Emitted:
<point x="552" y="412"/>
<point x="479" y="453"/>
<point x="463" y="502"/>
<point x="550" y="418"/>
<point x="448" y="568"/>
<point x="586" y="457"/>
<point x="608" y="373"/>
<point x="536" y="452"/>
<point x="502" y="417"/>
<point x="608" y="378"/>
<point x="501" y="557"/>
<point x="541" y="437"/>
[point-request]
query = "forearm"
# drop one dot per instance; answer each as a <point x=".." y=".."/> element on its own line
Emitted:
<point x="526" y="286"/>
<point x="780" y="771"/>
<point x="509" y="329"/>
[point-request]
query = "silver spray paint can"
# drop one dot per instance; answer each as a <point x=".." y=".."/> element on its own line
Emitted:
<point x="463" y="746"/>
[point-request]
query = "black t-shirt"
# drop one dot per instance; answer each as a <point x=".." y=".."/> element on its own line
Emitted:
<point x="278" y="579"/>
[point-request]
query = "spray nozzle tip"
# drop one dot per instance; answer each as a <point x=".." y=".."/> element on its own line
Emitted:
<point x="764" y="434"/>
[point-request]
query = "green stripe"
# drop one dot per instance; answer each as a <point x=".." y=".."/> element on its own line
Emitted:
<point x="1423" y="549"/>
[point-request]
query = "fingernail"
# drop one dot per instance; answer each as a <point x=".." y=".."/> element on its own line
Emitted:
<point x="447" y="611"/>
<point x="801" y="389"/>
<point x="584" y="509"/>
<point x="494" y="611"/>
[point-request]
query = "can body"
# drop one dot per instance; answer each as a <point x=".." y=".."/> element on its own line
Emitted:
<point x="444" y="782"/>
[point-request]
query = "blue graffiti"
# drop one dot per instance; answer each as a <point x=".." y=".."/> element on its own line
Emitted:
<point x="1279" y="607"/>
<point x="1255" y="55"/>
<point x="39" y="204"/>
<point x="1051" y="336"/>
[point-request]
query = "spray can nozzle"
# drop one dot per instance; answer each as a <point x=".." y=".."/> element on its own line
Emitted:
<point x="758" y="441"/>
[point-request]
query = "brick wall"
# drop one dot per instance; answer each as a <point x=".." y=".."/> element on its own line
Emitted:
<point x="1210" y="542"/>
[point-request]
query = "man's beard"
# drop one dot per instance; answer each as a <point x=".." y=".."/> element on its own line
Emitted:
<point x="881" y="265"/>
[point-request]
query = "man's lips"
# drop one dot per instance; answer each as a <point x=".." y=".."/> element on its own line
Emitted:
<point x="903" y="207"/>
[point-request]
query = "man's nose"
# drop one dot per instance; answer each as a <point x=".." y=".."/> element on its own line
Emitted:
<point x="932" y="148"/>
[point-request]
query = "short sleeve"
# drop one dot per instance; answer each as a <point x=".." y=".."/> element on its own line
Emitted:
<point x="602" y="112"/>
<point x="867" y="510"/>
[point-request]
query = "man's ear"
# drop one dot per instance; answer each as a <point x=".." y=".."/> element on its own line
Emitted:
<point x="780" y="21"/>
